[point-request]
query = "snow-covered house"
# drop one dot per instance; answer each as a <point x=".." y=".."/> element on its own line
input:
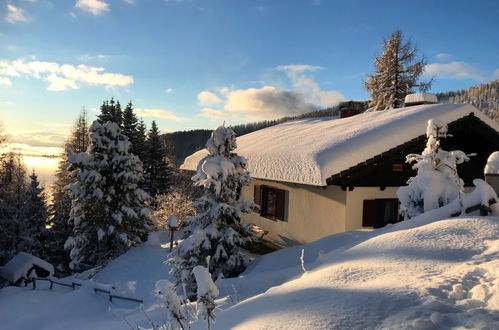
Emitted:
<point x="320" y="176"/>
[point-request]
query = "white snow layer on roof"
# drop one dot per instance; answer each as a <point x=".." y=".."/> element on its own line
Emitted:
<point x="311" y="150"/>
<point x="492" y="166"/>
<point x="22" y="262"/>
<point x="420" y="97"/>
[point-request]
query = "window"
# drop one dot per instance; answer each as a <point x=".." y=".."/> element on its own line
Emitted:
<point x="379" y="212"/>
<point x="272" y="202"/>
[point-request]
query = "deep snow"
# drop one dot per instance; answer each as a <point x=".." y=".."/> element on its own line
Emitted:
<point x="418" y="274"/>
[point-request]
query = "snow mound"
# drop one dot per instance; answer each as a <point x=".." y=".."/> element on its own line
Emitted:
<point x="492" y="166"/>
<point x="311" y="150"/>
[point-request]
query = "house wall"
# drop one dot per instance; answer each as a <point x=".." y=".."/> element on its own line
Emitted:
<point x="355" y="203"/>
<point x="493" y="180"/>
<point x="312" y="213"/>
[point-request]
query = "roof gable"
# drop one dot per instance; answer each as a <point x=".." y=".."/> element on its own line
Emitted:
<point x="310" y="151"/>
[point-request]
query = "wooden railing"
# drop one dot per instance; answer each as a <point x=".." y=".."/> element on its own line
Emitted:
<point x="484" y="209"/>
<point x="73" y="285"/>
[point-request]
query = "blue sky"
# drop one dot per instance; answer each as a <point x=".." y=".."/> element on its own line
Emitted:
<point x="195" y="63"/>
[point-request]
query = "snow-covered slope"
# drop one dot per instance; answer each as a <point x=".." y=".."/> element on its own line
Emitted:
<point x="309" y="151"/>
<point x="411" y="275"/>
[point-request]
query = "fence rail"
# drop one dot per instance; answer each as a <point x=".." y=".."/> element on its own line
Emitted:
<point x="73" y="285"/>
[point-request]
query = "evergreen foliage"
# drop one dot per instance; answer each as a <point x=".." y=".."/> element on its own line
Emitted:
<point x="130" y="128"/>
<point x="396" y="74"/>
<point x="157" y="172"/>
<point x="111" y="111"/>
<point x="59" y="209"/>
<point x="485" y="97"/>
<point x="108" y="210"/>
<point x="23" y="213"/>
<point x="216" y="231"/>
<point x="436" y="182"/>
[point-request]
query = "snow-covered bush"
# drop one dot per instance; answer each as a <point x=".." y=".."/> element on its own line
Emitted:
<point x="207" y="292"/>
<point x="216" y="230"/>
<point x="108" y="210"/>
<point x="178" y="317"/>
<point x="436" y="182"/>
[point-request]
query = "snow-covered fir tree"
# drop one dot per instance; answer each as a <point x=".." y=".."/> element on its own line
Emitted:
<point x="216" y="230"/>
<point x="436" y="182"/>
<point x="173" y="304"/>
<point x="59" y="209"/>
<point x="156" y="169"/>
<point x="396" y="74"/>
<point x="108" y="208"/>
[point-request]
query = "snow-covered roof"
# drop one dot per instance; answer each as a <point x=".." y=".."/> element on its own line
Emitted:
<point x="22" y="262"/>
<point x="311" y="150"/>
<point x="492" y="166"/>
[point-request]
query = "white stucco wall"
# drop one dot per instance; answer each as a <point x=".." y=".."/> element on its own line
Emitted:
<point x="313" y="213"/>
<point x="355" y="203"/>
<point x="493" y="180"/>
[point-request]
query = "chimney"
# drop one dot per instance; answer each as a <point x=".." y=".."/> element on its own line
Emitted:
<point x="420" y="98"/>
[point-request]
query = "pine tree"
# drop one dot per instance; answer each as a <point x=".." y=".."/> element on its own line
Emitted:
<point x="13" y="187"/>
<point x="157" y="171"/>
<point x="130" y="127"/>
<point x="60" y="207"/>
<point x="436" y="182"/>
<point x="396" y="74"/>
<point x="111" y="111"/>
<point x="108" y="211"/>
<point x="216" y="230"/>
<point x="140" y="145"/>
<point x="35" y="218"/>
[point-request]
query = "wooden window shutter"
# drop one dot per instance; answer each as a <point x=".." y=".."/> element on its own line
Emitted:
<point x="369" y="213"/>
<point x="280" y="204"/>
<point x="257" y="195"/>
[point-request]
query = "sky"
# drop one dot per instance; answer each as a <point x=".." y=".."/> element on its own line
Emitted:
<point x="195" y="63"/>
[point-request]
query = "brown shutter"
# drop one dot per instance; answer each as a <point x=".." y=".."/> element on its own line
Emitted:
<point x="369" y="213"/>
<point x="257" y="195"/>
<point x="280" y="204"/>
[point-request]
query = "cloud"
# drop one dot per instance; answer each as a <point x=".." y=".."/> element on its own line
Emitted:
<point x="214" y="114"/>
<point x="15" y="14"/>
<point x="304" y="83"/>
<point x="63" y="76"/>
<point x="266" y="103"/>
<point x="4" y="81"/>
<point x="158" y="113"/>
<point x="168" y="90"/>
<point x="208" y="99"/>
<point x="90" y="57"/>
<point x="44" y="139"/>
<point x="443" y="56"/>
<point x="495" y="75"/>
<point x="453" y="71"/>
<point x="130" y="2"/>
<point x="94" y="7"/>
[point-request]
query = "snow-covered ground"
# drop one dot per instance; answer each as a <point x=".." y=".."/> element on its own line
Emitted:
<point x="412" y="275"/>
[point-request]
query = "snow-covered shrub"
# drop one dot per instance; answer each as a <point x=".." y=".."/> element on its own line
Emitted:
<point x="216" y="230"/>
<point x="178" y="317"/>
<point x="207" y="293"/>
<point x="436" y="182"/>
<point x="108" y="209"/>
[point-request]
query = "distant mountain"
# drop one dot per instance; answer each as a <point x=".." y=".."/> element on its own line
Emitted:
<point x="485" y="97"/>
<point x="183" y="143"/>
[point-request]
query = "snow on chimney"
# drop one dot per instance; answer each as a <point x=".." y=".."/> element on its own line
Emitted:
<point x="420" y="98"/>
